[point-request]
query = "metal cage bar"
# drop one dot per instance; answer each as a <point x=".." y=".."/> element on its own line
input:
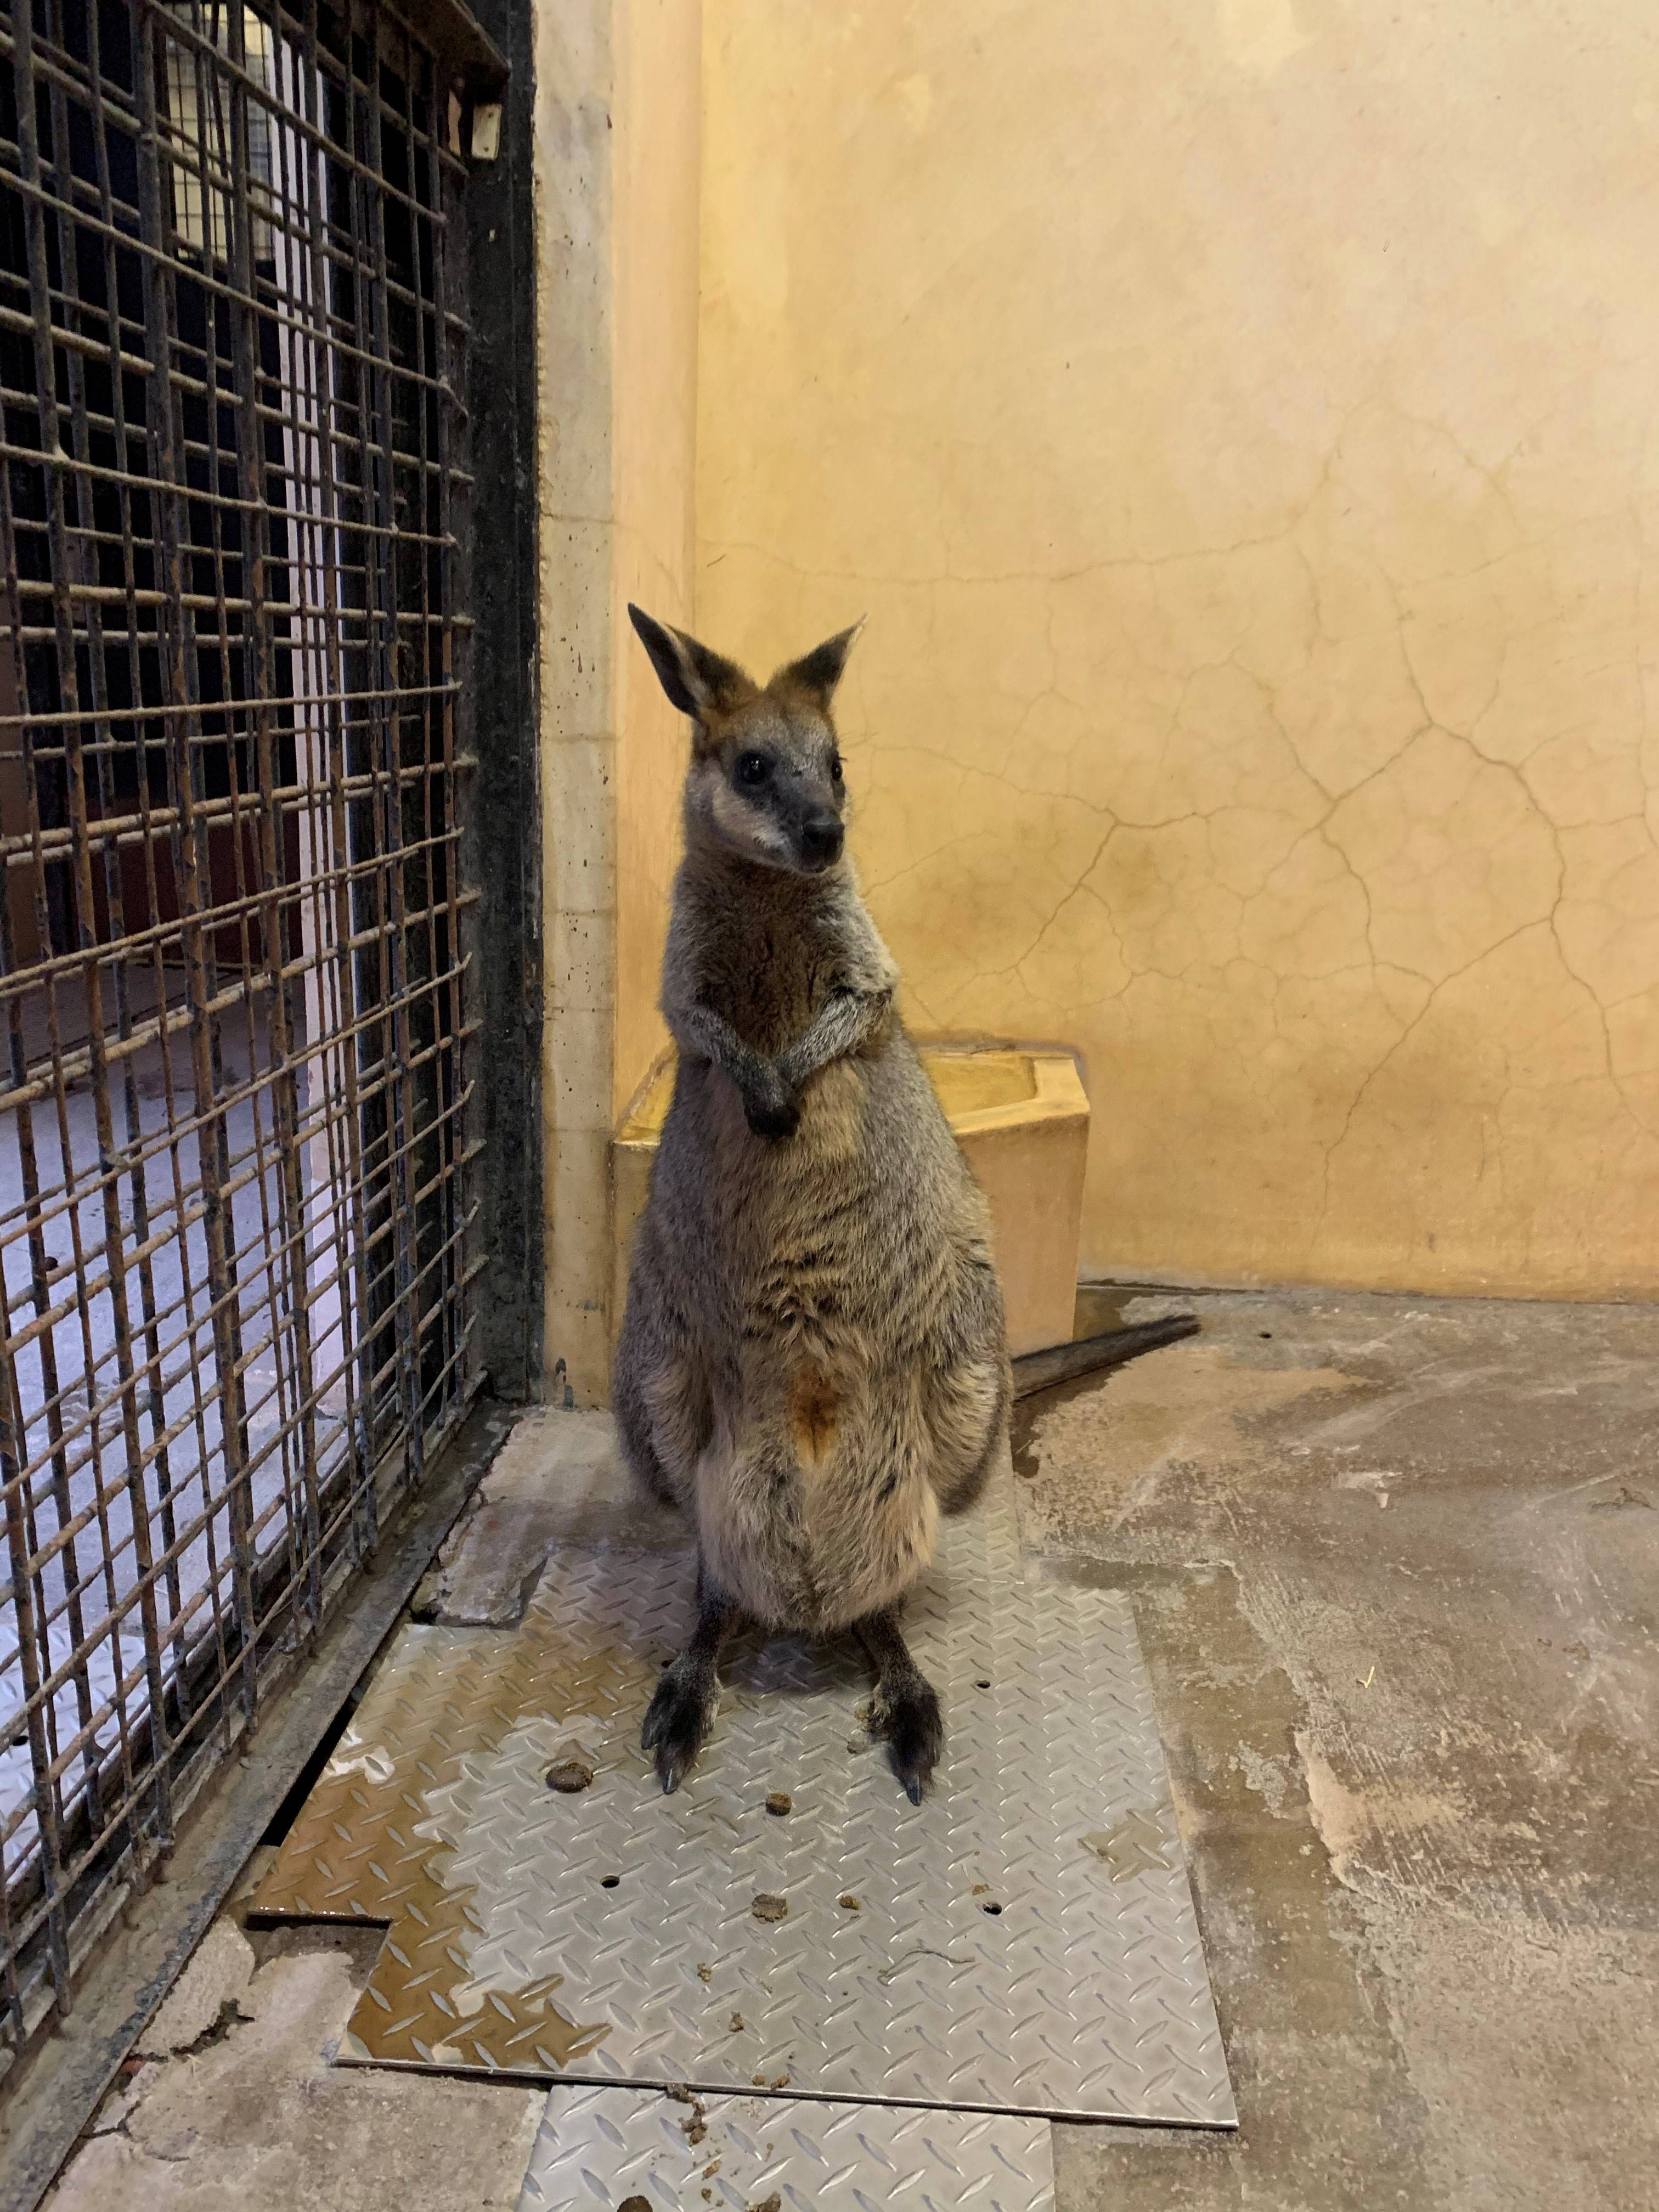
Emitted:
<point x="236" y="1102"/>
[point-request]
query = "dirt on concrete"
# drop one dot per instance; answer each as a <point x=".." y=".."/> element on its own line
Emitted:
<point x="239" y="2108"/>
<point x="1395" y="1571"/>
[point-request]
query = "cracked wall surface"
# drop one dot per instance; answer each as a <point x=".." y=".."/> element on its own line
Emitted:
<point x="1237" y="418"/>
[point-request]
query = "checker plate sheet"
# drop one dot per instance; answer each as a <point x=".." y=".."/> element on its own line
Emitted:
<point x="598" y="2148"/>
<point x="1023" y="1941"/>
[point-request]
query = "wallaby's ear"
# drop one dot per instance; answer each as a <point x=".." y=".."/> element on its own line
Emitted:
<point x="817" y="673"/>
<point x="698" y="682"/>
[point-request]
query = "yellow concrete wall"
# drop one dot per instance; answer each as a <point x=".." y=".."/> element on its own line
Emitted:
<point x="1237" y="419"/>
<point x="656" y="357"/>
<point x="617" y="240"/>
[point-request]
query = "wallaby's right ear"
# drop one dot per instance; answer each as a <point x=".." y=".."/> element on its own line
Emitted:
<point x="698" y="682"/>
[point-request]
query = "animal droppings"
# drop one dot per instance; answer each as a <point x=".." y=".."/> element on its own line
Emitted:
<point x="849" y="1903"/>
<point x="737" y="2023"/>
<point x="569" y="1776"/>
<point x="779" y="1802"/>
<point x="767" y="1906"/>
<point x="705" y="1971"/>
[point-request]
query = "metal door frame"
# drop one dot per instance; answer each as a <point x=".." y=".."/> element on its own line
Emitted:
<point x="149" y="1928"/>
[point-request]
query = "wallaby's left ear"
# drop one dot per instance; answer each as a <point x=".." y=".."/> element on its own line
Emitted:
<point x="817" y="673"/>
<point x="699" y="683"/>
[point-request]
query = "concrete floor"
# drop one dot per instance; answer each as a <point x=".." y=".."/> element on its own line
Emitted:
<point x="1395" y="1568"/>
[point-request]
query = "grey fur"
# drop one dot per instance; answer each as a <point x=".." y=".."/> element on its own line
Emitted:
<point x="813" y="1362"/>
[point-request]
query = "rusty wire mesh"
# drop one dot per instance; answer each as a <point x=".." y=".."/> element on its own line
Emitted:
<point x="233" y="1117"/>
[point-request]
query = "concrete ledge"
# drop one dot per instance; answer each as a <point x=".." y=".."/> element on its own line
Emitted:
<point x="1022" y="1117"/>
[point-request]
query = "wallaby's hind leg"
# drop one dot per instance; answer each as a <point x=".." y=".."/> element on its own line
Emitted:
<point x="680" y="1716"/>
<point x="905" y="1710"/>
<point x="633" y="1434"/>
<point x="658" y="1394"/>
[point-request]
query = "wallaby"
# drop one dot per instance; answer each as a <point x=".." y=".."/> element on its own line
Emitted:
<point x="812" y="1362"/>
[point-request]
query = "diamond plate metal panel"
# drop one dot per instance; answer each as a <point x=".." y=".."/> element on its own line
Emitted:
<point x="1023" y="1941"/>
<point x="599" y="2148"/>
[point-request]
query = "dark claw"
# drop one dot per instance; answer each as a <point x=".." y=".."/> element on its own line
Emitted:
<point x="677" y="1723"/>
<point x="908" y="1717"/>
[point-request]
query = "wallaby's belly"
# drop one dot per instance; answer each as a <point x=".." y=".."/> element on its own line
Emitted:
<point x="823" y="1274"/>
<point x="804" y="1554"/>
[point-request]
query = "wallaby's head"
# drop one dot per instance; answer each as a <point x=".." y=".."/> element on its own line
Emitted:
<point x="765" y="777"/>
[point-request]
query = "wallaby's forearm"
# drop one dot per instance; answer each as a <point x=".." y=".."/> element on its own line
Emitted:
<point x="770" y="1088"/>
<point x="840" y="1026"/>
<point x="703" y="1034"/>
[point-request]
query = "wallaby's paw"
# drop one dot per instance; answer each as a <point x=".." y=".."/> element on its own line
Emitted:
<point x="778" y="1116"/>
<point x="677" y="1722"/>
<point x="907" y="1718"/>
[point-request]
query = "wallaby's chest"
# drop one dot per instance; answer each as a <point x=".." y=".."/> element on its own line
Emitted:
<point x="768" y="981"/>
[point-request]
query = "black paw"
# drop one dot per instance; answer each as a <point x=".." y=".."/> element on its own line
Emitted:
<point x="677" y="1721"/>
<point x="776" y="1116"/>
<point x="907" y="1718"/>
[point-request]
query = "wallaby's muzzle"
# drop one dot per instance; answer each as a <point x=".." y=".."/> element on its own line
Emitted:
<point x="821" y="841"/>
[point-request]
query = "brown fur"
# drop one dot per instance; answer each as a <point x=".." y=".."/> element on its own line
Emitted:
<point x="812" y="1417"/>
<point x="812" y="1362"/>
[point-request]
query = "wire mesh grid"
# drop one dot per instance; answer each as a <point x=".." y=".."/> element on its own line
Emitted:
<point x="235" y="938"/>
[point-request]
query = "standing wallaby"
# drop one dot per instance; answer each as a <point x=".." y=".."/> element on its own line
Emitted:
<point x="813" y="1362"/>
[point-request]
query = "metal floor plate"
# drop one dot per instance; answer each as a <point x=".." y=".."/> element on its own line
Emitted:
<point x="600" y="2149"/>
<point x="1023" y="1941"/>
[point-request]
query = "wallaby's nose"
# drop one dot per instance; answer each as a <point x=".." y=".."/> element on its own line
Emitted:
<point x="821" y="840"/>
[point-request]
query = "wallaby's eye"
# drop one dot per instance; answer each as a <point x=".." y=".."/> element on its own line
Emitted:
<point x="753" y="767"/>
<point x="834" y="767"/>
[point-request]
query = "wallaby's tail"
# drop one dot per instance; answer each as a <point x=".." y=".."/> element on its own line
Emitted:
<point x="1064" y="1362"/>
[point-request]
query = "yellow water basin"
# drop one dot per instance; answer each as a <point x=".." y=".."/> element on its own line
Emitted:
<point x="1021" y="1116"/>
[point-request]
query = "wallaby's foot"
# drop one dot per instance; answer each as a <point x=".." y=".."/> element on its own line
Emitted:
<point x="905" y="1715"/>
<point x="904" y="1711"/>
<point x="680" y="1713"/>
<point x="680" y="1717"/>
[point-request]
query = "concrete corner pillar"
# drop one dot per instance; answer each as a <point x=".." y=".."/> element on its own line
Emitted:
<point x="617" y="141"/>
